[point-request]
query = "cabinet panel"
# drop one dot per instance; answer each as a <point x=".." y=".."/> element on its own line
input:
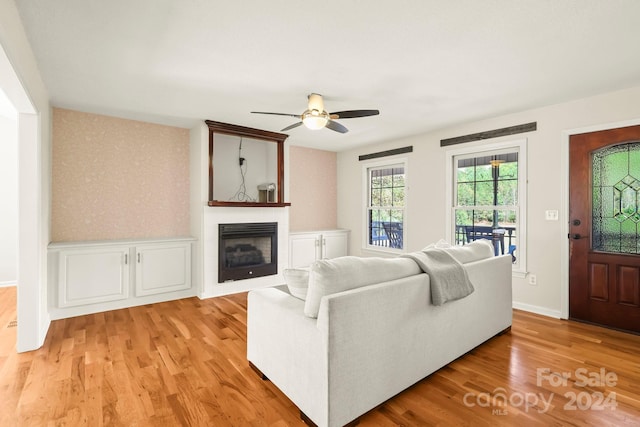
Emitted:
<point x="335" y="245"/>
<point x="306" y="248"/>
<point x="303" y="250"/>
<point x="93" y="275"/>
<point x="163" y="268"/>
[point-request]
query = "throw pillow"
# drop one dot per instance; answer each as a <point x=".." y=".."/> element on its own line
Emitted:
<point x="297" y="280"/>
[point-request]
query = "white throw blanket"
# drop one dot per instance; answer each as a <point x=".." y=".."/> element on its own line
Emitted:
<point x="448" y="278"/>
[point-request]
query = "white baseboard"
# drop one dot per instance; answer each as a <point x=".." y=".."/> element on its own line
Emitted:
<point x="538" y="310"/>
<point x="7" y="284"/>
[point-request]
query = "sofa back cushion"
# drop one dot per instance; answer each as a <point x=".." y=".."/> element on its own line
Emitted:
<point x="471" y="252"/>
<point x="330" y="276"/>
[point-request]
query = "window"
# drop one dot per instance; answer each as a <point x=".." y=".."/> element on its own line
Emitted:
<point x="385" y="205"/>
<point x="487" y="197"/>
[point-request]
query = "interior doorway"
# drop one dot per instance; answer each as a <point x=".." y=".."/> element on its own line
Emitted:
<point x="32" y="317"/>
<point x="8" y="192"/>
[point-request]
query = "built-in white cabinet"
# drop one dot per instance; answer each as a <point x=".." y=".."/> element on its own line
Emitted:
<point x="162" y="267"/>
<point x="89" y="277"/>
<point x="93" y="275"/>
<point x="309" y="246"/>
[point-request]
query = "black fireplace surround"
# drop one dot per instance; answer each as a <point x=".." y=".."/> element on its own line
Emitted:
<point x="247" y="250"/>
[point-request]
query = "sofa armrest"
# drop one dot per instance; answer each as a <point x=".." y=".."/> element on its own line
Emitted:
<point x="287" y="347"/>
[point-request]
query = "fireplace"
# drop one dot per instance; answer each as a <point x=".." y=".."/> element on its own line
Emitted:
<point x="247" y="250"/>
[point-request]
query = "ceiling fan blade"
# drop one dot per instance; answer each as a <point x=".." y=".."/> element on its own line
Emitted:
<point x="277" y="114"/>
<point x="336" y="127"/>
<point x="354" y="113"/>
<point x="295" y="125"/>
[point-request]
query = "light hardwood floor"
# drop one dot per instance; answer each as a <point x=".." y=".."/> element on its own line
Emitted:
<point x="183" y="363"/>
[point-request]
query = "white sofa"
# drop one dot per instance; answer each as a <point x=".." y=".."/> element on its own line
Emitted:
<point x="369" y="343"/>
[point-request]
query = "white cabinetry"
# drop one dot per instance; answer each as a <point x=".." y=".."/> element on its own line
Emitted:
<point x="162" y="267"/>
<point x="93" y="275"/>
<point x="89" y="277"/>
<point x="309" y="246"/>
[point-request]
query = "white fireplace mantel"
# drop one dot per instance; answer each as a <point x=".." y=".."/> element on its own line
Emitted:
<point x="212" y="216"/>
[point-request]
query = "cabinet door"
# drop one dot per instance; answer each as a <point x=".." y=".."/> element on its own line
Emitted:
<point x="88" y="276"/>
<point x="163" y="267"/>
<point x="335" y="244"/>
<point x="304" y="249"/>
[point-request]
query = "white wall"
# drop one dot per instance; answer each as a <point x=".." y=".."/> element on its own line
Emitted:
<point x="9" y="197"/>
<point x="547" y="240"/>
<point x="21" y="81"/>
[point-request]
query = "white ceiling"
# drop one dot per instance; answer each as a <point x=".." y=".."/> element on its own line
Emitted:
<point x="425" y="64"/>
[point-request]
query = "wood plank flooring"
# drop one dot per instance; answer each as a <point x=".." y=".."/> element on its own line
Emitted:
<point x="183" y="363"/>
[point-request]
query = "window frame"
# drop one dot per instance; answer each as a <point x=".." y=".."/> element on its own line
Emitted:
<point x="389" y="162"/>
<point x="484" y="149"/>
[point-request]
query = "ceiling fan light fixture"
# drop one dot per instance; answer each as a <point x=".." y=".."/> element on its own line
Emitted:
<point x="314" y="119"/>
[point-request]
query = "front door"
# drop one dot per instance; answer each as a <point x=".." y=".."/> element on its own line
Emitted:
<point x="604" y="215"/>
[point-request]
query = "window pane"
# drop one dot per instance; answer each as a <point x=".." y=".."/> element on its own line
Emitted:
<point x="386" y="197"/>
<point x="398" y="197"/>
<point x="484" y="193"/>
<point x="376" y="199"/>
<point x="508" y="192"/>
<point x="375" y="215"/>
<point x="473" y="225"/>
<point x="377" y="236"/>
<point x="376" y="179"/>
<point x="508" y="170"/>
<point x="466" y="174"/>
<point x="398" y="180"/>
<point x="466" y="194"/>
<point x="483" y="173"/>
<point x="484" y="181"/>
<point x="387" y="201"/>
<point x="396" y="215"/>
<point x="616" y="199"/>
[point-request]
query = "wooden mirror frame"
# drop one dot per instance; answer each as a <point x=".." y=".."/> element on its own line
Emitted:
<point x="228" y="129"/>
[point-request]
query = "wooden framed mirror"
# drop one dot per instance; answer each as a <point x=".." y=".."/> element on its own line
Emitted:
<point x="232" y="149"/>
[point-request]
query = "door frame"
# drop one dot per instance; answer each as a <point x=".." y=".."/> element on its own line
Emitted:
<point x="564" y="207"/>
<point x="31" y="305"/>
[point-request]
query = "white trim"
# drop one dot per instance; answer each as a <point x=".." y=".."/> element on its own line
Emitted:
<point x="8" y="284"/>
<point x="537" y="310"/>
<point x="564" y="207"/>
<point x="388" y="162"/>
<point x="478" y="148"/>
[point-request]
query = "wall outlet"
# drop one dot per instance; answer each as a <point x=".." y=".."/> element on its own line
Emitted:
<point x="533" y="280"/>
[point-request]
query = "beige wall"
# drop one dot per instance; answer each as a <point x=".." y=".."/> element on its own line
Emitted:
<point x="547" y="177"/>
<point x="115" y="179"/>
<point x="312" y="189"/>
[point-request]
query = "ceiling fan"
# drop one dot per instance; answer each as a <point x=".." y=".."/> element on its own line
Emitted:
<point x="316" y="117"/>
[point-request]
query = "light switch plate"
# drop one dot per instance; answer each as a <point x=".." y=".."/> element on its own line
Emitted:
<point x="551" y="215"/>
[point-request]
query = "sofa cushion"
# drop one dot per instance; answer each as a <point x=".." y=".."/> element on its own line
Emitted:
<point x="297" y="280"/>
<point x="474" y="251"/>
<point x="330" y="276"/>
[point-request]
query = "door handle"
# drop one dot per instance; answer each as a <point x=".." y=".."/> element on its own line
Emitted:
<point x="576" y="222"/>
<point x="577" y="236"/>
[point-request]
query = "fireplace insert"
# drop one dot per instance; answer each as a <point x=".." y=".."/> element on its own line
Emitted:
<point x="247" y="250"/>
